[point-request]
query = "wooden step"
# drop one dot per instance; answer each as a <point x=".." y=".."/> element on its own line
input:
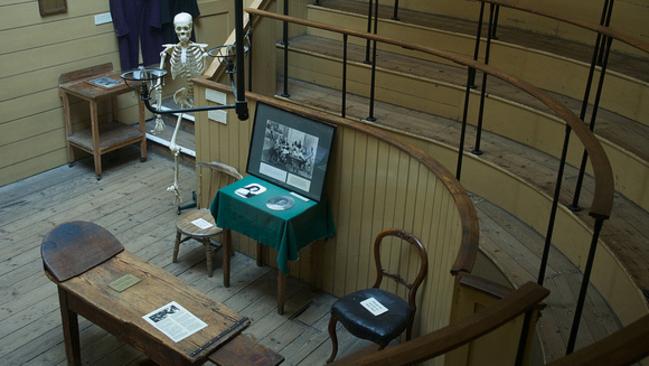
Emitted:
<point x="438" y="89"/>
<point x="626" y="233"/>
<point x="624" y="93"/>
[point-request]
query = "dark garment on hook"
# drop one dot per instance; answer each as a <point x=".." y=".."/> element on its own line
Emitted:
<point x="169" y="9"/>
<point x="137" y="24"/>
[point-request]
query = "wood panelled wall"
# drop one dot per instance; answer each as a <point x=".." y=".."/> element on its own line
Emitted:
<point x="371" y="185"/>
<point x="35" y="51"/>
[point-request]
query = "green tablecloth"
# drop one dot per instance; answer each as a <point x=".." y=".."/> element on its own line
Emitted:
<point x="286" y="231"/>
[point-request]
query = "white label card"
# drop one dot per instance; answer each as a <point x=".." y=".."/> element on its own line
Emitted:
<point x="202" y="224"/>
<point x="374" y="306"/>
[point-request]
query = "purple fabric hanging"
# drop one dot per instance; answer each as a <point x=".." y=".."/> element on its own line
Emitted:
<point x="137" y="24"/>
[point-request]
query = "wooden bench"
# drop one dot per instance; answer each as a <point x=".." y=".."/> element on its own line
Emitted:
<point x="84" y="260"/>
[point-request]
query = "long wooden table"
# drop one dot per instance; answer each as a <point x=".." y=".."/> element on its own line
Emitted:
<point x="84" y="259"/>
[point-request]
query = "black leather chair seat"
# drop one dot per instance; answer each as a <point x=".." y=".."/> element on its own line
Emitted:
<point x="360" y="322"/>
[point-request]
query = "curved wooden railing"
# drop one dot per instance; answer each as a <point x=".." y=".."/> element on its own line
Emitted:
<point x="456" y="335"/>
<point x="468" y="217"/>
<point x="605" y="31"/>
<point x="604" y="186"/>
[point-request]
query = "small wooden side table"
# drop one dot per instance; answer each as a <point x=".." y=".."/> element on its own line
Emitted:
<point x="110" y="135"/>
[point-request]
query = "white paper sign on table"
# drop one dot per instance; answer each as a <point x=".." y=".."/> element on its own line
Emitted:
<point x="202" y="224"/>
<point x="374" y="306"/>
<point x="174" y="321"/>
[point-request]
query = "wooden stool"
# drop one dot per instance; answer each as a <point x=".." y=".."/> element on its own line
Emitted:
<point x="186" y="227"/>
<point x="217" y="175"/>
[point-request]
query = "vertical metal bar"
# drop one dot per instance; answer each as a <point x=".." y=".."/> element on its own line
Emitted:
<point x="395" y="16"/>
<point x="605" y="20"/>
<point x="483" y="92"/>
<point x="285" y="42"/>
<point x="574" y="330"/>
<point x="476" y="51"/>
<point x="317" y="2"/>
<point x="593" y="120"/>
<point x="369" y="29"/>
<point x="522" y="341"/>
<point x="371" y="117"/>
<point x="495" y="26"/>
<point x="344" y="87"/>
<point x="467" y="93"/>
<point x="608" y="10"/>
<point x="250" y="19"/>
<point x="241" y="107"/>
<point x="553" y="210"/>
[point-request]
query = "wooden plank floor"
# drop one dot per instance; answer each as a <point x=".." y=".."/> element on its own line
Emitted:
<point x="132" y="203"/>
<point x="513" y="245"/>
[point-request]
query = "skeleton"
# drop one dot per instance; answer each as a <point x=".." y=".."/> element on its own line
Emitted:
<point x="187" y="60"/>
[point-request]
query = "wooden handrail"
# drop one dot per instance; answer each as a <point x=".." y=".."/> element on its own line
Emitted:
<point x="215" y="66"/>
<point x="456" y="335"/>
<point x="604" y="186"/>
<point x="607" y="31"/>
<point x="469" y="220"/>
<point x="624" y="347"/>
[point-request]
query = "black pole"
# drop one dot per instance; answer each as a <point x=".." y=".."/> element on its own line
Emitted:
<point x="574" y="330"/>
<point x="608" y="10"/>
<point x="395" y="16"/>
<point x="344" y="96"/>
<point x="476" y="50"/>
<point x="250" y="52"/>
<point x="593" y="119"/>
<point x="241" y="105"/>
<point x="605" y="20"/>
<point x="369" y="30"/>
<point x="467" y="93"/>
<point x="522" y="341"/>
<point x="495" y="26"/>
<point x="285" y="93"/>
<point x="371" y="117"/>
<point x="553" y="210"/>
<point x="483" y="92"/>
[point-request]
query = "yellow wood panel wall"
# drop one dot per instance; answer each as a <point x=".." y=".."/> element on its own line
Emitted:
<point x="371" y="185"/>
<point x="35" y="51"/>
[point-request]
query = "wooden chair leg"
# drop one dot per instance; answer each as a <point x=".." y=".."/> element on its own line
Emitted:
<point x="281" y="292"/>
<point x="227" y="250"/>
<point x="209" y="254"/>
<point x="70" y="331"/>
<point x="174" y="258"/>
<point x="334" y="338"/>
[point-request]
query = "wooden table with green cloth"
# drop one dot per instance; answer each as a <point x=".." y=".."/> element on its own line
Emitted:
<point x="286" y="231"/>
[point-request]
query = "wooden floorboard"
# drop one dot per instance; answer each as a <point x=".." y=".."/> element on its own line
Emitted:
<point x="132" y="203"/>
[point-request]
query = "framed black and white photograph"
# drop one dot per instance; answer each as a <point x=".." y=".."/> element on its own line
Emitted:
<point x="290" y="150"/>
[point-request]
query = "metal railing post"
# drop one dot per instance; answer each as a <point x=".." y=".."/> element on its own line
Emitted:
<point x="606" y="49"/>
<point x="285" y="42"/>
<point x="250" y="19"/>
<point x="369" y="30"/>
<point x="494" y="31"/>
<point x="476" y="149"/>
<point x="460" y="156"/>
<point x="574" y="330"/>
<point x="371" y="116"/>
<point x="395" y="15"/>
<point x="476" y="50"/>
<point x="344" y="86"/>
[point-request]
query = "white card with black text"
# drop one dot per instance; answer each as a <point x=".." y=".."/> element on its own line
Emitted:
<point x="202" y="224"/>
<point x="373" y="306"/>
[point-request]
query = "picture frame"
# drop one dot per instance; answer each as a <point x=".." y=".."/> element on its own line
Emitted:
<point x="290" y="150"/>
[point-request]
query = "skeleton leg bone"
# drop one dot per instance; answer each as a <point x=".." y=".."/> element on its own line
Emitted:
<point x="175" y="150"/>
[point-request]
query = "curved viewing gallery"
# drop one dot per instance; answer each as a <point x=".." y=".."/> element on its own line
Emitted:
<point x="344" y="182"/>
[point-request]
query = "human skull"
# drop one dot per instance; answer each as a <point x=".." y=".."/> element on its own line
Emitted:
<point x="183" y="26"/>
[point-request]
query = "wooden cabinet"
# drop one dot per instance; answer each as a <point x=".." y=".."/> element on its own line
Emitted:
<point x="98" y="138"/>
